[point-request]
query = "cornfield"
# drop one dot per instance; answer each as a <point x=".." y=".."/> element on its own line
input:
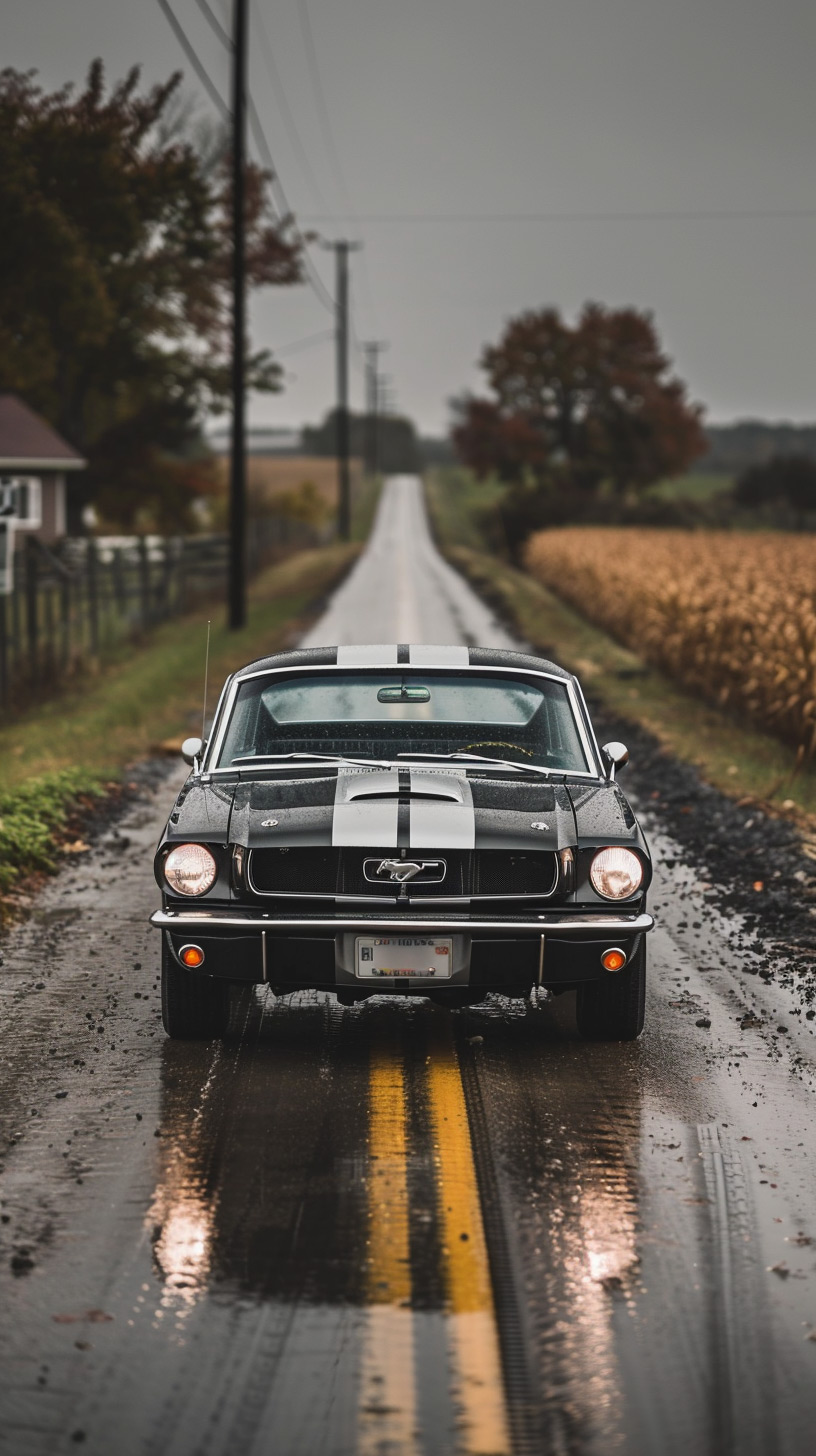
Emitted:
<point x="731" y="615"/>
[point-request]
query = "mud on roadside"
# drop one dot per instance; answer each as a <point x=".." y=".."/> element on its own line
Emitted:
<point x="752" y="863"/>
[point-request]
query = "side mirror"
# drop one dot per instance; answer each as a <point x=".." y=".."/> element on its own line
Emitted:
<point x="617" y="756"/>
<point x="191" y="750"/>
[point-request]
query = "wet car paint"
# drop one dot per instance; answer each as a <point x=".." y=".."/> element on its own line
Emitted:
<point x="257" y="1246"/>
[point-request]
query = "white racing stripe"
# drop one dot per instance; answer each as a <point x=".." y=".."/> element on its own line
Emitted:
<point x="441" y="823"/>
<point x="422" y="655"/>
<point x="372" y="654"/>
<point x="363" y="818"/>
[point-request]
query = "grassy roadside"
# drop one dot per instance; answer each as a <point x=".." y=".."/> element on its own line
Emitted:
<point x="737" y="759"/>
<point x="74" y="748"/>
<point x="364" y="504"/>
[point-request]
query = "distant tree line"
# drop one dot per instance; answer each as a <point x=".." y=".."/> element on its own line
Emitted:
<point x="397" y="450"/>
<point x="732" y="449"/>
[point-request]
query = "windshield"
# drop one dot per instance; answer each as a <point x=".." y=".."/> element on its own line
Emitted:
<point x="383" y="715"/>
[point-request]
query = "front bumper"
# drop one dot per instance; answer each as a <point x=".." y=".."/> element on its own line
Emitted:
<point x="508" y="955"/>
<point x="576" y="926"/>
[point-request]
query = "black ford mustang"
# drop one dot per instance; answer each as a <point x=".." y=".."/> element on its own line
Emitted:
<point x="435" y="821"/>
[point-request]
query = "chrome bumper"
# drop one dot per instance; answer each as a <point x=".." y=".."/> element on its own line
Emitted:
<point x="576" y="927"/>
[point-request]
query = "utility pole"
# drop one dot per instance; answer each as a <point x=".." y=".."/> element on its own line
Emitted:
<point x="237" y="501"/>
<point x="372" y="353"/>
<point x="341" y="250"/>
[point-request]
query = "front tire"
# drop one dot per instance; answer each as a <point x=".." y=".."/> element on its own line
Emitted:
<point x="194" y="1007"/>
<point x="612" y="1009"/>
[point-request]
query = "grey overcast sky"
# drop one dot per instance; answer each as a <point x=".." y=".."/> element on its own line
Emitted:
<point x="444" y="111"/>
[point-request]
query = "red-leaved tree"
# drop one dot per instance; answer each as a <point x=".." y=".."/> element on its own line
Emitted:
<point x="115" y="259"/>
<point x="580" y="405"/>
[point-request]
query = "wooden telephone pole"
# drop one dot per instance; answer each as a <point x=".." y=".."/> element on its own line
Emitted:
<point x="341" y="250"/>
<point x="373" y="349"/>
<point x="237" y="499"/>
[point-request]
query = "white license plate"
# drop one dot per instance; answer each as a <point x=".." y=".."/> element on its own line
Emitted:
<point x="384" y="957"/>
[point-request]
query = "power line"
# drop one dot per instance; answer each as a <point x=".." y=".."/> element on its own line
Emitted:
<point x="320" y="100"/>
<point x="328" y="139"/>
<point x="341" y="250"/>
<point x="307" y="343"/>
<point x="312" y="276"/>
<point x="269" y="60"/>
<point x="214" y="23"/>
<point x="284" y="209"/>
<point x="669" y="215"/>
<point x="237" y="500"/>
<point x="318" y="286"/>
<point x="181" y="37"/>
<point x="289" y="122"/>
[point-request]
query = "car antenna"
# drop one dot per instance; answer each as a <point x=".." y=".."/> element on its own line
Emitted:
<point x="206" y="671"/>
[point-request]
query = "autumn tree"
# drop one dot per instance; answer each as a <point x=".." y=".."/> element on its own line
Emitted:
<point x="579" y="405"/>
<point x="115" y="262"/>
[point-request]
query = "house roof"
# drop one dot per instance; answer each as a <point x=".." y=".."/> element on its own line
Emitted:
<point x="27" y="441"/>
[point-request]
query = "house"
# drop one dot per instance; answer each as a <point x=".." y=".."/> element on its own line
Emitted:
<point x="34" y="461"/>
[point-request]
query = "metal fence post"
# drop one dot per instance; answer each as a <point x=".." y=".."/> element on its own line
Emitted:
<point x="31" y="605"/>
<point x="117" y="576"/>
<point x="16" y="613"/>
<point x="4" y="693"/>
<point x="93" y="596"/>
<point x="49" y="654"/>
<point x="65" y="620"/>
<point x="144" y="582"/>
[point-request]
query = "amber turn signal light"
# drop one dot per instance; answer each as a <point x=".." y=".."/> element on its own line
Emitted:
<point x="192" y="956"/>
<point x="613" y="960"/>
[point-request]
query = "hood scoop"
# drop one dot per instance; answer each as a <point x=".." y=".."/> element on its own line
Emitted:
<point x="386" y="785"/>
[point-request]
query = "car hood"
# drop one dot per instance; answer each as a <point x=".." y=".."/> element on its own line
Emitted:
<point x="410" y="808"/>
<point x="603" y="815"/>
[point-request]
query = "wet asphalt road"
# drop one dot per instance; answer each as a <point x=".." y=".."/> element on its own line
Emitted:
<point x="391" y="1228"/>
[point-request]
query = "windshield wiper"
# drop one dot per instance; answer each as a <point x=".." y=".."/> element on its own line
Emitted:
<point x="481" y="758"/>
<point x="260" y="758"/>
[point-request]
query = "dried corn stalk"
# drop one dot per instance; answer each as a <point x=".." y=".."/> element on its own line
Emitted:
<point x="731" y="615"/>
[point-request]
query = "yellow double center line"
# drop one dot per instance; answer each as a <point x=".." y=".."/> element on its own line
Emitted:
<point x="388" y="1392"/>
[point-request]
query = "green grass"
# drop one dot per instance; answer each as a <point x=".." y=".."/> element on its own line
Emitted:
<point x="148" y="696"/>
<point x="692" y="487"/>
<point x="738" y="759"/>
<point x="459" y="500"/>
<point x="364" y="506"/>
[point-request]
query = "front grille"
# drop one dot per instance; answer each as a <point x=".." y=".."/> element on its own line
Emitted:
<point x="330" y="871"/>
<point x="284" y="871"/>
<point x="514" y="872"/>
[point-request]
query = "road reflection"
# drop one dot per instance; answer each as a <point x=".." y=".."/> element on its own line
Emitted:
<point x="298" y="1166"/>
<point x="261" y="1162"/>
<point x="564" y="1121"/>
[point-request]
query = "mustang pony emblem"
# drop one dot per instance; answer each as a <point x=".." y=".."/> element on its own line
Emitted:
<point x="400" y="870"/>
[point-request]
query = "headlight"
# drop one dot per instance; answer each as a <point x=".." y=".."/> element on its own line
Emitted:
<point x="616" y="873"/>
<point x="190" y="869"/>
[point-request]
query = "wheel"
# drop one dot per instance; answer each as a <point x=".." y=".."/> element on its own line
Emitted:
<point x="612" y="1009"/>
<point x="194" y="1008"/>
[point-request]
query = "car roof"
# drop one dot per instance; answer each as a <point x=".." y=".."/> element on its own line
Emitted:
<point x="392" y="655"/>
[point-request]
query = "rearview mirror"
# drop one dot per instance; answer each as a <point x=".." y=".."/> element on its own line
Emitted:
<point x="191" y="750"/>
<point x="407" y="693"/>
<point x="617" y="756"/>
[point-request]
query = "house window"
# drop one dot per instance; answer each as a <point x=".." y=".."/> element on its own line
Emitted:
<point x="21" y="500"/>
